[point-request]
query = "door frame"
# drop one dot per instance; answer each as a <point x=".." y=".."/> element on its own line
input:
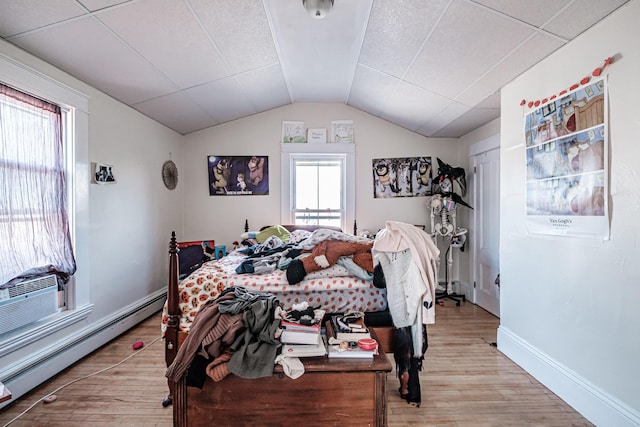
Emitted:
<point x="483" y="146"/>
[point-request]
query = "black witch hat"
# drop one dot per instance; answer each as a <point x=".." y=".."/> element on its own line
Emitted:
<point x="447" y="176"/>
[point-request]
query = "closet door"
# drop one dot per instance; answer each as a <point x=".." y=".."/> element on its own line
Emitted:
<point x="486" y="225"/>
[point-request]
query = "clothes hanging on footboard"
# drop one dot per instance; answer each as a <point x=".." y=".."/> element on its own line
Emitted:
<point x="408" y="257"/>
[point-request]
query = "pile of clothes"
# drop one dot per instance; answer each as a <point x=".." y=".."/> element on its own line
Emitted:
<point x="236" y="333"/>
<point x="303" y="252"/>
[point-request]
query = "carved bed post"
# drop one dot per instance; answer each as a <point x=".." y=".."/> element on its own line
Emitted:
<point x="173" y="312"/>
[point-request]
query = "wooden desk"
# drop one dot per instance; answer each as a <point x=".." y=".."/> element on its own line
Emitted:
<point x="331" y="392"/>
<point x="5" y="394"/>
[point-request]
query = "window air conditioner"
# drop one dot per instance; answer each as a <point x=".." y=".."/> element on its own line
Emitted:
<point x="28" y="302"/>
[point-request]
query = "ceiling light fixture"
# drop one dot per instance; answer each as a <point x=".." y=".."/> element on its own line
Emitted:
<point x="318" y="8"/>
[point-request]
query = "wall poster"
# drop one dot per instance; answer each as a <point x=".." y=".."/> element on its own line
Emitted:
<point x="402" y="177"/>
<point x="567" y="167"/>
<point x="238" y="175"/>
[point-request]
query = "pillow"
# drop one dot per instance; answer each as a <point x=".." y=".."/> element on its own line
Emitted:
<point x="262" y="235"/>
<point x="275" y="230"/>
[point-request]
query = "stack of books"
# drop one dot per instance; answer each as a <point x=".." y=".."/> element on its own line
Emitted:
<point x="303" y="339"/>
<point x="305" y="350"/>
<point x="347" y="330"/>
<point x="343" y="338"/>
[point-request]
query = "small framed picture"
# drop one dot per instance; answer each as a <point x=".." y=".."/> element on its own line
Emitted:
<point x="342" y="131"/>
<point x="317" y="136"/>
<point x="293" y="132"/>
<point x="103" y="174"/>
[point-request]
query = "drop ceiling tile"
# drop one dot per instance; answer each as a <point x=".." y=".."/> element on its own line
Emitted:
<point x="461" y="48"/>
<point x="98" y="58"/>
<point x="581" y="15"/>
<point x="94" y="5"/>
<point x="223" y="100"/>
<point x="371" y="90"/>
<point x="473" y="119"/>
<point x="442" y="119"/>
<point x="240" y="30"/>
<point x="166" y="33"/>
<point x="265" y="87"/>
<point x="535" y="13"/>
<point x="411" y="106"/>
<point x="524" y="57"/>
<point x="176" y="111"/>
<point x="395" y="32"/>
<point x="18" y="16"/>
<point x="491" y="101"/>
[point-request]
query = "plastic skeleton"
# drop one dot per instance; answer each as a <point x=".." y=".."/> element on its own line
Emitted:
<point x="443" y="225"/>
<point x="443" y="212"/>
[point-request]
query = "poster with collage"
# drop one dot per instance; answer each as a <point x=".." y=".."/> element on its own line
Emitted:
<point x="566" y="160"/>
<point x="402" y="177"/>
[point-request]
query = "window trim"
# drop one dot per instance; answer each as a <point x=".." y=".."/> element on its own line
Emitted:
<point x="75" y="106"/>
<point x="289" y="151"/>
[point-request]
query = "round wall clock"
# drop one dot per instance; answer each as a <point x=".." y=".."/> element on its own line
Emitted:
<point x="170" y="174"/>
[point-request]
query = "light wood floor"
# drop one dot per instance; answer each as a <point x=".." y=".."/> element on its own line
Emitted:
<point x="465" y="382"/>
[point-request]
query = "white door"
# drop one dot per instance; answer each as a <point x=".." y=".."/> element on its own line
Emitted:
<point x="486" y="229"/>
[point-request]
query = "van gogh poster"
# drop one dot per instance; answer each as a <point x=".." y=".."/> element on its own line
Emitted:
<point x="566" y="158"/>
<point x="238" y="175"/>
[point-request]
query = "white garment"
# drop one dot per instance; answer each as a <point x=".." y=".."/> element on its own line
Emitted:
<point x="411" y="285"/>
<point x="292" y="366"/>
<point x="405" y="287"/>
<point x="405" y="292"/>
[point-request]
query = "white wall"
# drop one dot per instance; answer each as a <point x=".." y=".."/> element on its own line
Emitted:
<point x="222" y="218"/>
<point x="570" y="306"/>
<point x="122" y="229"/>
<point x="130" y="221"/>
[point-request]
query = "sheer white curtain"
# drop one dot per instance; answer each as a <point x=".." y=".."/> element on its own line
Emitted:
<point x="34" y="223"/>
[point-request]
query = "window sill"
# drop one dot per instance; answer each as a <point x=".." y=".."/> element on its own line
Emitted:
<point x="14" y="340"/>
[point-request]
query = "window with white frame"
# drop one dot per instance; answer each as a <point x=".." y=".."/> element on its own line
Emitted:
<point x="34" y="219"/>
<point x="318" y="185"/>
<point x="318" y="193"/>
<point x="36" y="107"/>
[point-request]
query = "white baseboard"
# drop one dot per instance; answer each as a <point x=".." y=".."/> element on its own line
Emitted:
<point x="595" y="404"/>
<point x="28" y="374"/>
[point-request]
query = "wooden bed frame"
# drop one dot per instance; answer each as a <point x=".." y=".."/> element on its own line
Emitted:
<point x="185" y="398"/>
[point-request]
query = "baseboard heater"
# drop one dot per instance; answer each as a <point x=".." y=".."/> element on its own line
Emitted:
<point x="28" y="302"/>
<point x="26" y="374"/>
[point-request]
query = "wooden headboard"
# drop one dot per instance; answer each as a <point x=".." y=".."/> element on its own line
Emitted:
<point x="292" y="227"/>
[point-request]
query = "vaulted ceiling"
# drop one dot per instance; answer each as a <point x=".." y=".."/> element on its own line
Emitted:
<point x="432" y="66"/>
